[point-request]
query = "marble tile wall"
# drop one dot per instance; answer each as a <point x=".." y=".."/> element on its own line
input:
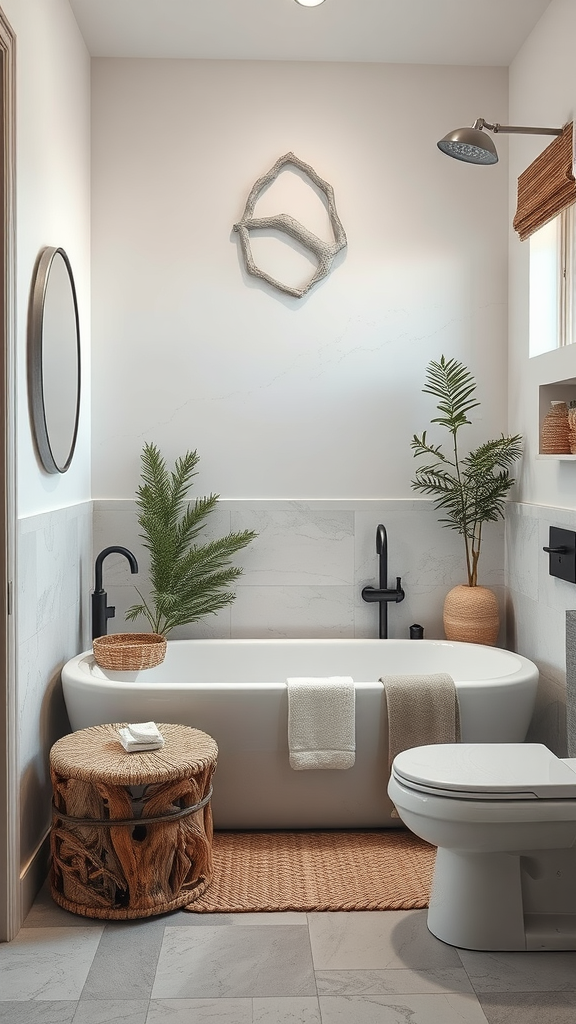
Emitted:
<point x="536" y="613"/>
<point x="304" y="574"/>
<point x="54" y="559"/>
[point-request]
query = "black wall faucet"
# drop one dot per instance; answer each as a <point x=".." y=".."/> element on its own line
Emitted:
<point x="382" y="594"/>
<point x="101" y="610"/>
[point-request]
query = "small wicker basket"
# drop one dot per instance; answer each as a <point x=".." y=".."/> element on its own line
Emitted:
<point x="129" y="652"/>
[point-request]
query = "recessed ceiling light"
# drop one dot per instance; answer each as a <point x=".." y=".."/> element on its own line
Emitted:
<point x="309" y="3"/>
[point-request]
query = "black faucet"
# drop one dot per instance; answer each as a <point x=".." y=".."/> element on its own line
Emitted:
<point x="382" y="594"/>
<point x="101" y="611"/>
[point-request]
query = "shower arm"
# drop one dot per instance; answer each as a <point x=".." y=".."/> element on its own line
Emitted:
<point x="514" y="129"/>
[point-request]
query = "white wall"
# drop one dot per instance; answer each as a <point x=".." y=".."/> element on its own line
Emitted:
<point x="52" y="208"/>
<point x="542" y="92"/>
<point x="302" y="410"/>
<point x="53" y="542"/>
<point x="285" y="398"/>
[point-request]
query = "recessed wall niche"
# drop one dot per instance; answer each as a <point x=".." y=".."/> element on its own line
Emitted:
<point x="557" y="391"/>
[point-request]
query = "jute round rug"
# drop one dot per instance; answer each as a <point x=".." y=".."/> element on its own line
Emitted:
<point x="307" y="871"/>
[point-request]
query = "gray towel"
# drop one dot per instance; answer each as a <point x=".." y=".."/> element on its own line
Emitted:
<point x="422" y="709"/>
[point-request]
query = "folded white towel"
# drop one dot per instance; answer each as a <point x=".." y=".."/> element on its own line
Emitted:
<point x="146" y="732"/>
<point x="321" y="722"/>
<point x="141" y="736"/>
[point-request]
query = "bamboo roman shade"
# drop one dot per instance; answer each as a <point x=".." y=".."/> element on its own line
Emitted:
<point x="547" y="186"/>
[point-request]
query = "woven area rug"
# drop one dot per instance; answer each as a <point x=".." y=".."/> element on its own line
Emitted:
<point x="364" y="870"/>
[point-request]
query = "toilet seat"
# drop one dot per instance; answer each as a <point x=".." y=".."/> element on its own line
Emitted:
<point x="486" y="771"/>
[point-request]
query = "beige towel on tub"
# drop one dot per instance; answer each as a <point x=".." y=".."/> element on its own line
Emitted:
<point x="422" y="709"/>
<point x="321" y="722"/>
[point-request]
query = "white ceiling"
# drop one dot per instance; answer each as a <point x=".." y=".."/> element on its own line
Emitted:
<point x="485" y="32"/>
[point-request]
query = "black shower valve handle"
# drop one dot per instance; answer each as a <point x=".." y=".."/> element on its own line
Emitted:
<point x="561" y="551"/>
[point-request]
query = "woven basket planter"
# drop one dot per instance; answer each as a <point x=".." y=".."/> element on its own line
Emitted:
<point x="471" y="615"/>
<point x="129" y="652"/>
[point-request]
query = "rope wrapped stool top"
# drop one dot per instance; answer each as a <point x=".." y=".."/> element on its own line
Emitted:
<point x="96" y="754"/>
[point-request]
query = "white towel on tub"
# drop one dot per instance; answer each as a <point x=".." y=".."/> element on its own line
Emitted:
<point x="321" y="722"/>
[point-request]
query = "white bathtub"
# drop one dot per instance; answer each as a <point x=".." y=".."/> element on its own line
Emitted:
<point x="235" y="690"/>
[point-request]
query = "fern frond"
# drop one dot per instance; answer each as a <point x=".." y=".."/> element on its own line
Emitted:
<point x="420" y="446"/>
<point x="451" y="382"/>
<point x="193" y="519"/>
<point x="187" y="580"/>
<point x="500" y="453"/>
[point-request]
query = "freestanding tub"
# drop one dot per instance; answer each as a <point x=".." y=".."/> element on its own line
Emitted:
<point x="235" y="690"/>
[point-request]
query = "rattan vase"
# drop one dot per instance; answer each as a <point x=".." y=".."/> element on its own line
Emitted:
<point x="555" y="431"/>
<point x="471" y="615"/>
<point x="129" y="652"/>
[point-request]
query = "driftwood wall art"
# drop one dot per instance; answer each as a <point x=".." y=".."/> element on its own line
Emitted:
<point x="283" y="222"/>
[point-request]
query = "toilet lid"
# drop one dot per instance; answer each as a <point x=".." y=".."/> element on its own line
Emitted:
<point x="511" y="771"/>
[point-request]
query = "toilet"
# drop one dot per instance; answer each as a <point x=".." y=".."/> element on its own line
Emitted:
<point x="503" y="816"/>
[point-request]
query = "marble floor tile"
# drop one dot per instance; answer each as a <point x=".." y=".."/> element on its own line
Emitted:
<point x="529" y="1007"/>
<point x="520" y="972"/>
<point x="200" y="1011"/>
<point x="45" y="913"/>
<point x="407" y="1009"/>
<point x="406" y="981"/>
<point x="111" y="1011"/>
<point x="186" y="917"/>
<point x="234" y="961"/>
<point x="286" y="1011"/>
<point x="38" y="1011"/>
<point x="374" y="940"/>
<point x="47" y="963"/>
<point x="371" y="968"/>
<point x="125" y="963"/>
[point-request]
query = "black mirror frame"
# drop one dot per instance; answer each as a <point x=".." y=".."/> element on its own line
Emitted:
<point x="35" y="370"/>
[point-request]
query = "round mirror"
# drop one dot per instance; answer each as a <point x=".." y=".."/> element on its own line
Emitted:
<point x="54" y="360"/>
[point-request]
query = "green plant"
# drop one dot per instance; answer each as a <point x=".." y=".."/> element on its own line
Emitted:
<point x="189" y="580"/>
<point x="470" y="490"/>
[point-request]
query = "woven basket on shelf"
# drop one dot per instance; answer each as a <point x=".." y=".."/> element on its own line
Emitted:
<point x="129" y="652"/>
<point x="555" y="431"/>
<point x="572" y="429"/>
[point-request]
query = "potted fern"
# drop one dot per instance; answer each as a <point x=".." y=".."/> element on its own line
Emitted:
<point x="188" y="580"/>
<point x="469" y="490"/>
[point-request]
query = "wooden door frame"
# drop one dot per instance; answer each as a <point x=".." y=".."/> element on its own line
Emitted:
<point x="10" y="903"/>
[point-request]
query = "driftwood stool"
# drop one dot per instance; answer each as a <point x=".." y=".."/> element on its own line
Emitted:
<point x="131" y="833"/>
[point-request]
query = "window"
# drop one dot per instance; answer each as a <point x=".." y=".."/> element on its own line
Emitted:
<point x="553" y="284"/>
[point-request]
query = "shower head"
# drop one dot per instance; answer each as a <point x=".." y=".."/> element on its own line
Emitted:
<point x="473" y="146"/>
